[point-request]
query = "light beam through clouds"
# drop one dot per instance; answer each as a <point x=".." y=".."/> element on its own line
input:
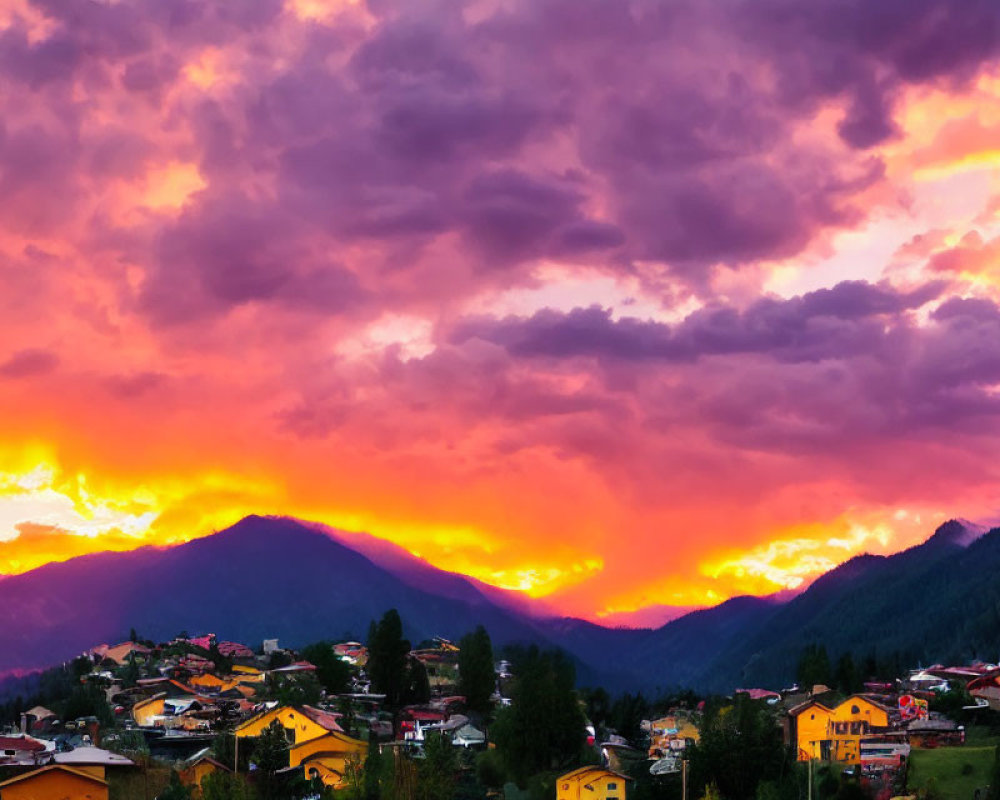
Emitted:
<point x="622" y="304"/>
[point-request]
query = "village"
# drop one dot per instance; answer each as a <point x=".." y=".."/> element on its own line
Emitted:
<point x="202" y="717"/>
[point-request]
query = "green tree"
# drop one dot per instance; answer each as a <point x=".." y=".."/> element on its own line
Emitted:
<point x="740" y="746"/>
<point x="543" y="728"/>
<point x="476" y="674"/>
<point x="294" y="690"/>
<point x="627" y="713"/>
<point x="373" y="770"/>
<point x="334" y="675"/>
<point x="436" y="772"/>
<point x="224" y="786"/>
<point x="417" y="687"/>
<point x="388" y="654"/>
<point x="88" y="700"/>
<point x="847" y="678"/>
<point x="175" y="789"/>
<point x="813" y="667"/>
<point x="270" y="755"/>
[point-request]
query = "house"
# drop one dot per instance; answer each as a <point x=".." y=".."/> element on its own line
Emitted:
<point x="987" y="687"/>
<point x="834" y="734"/>
<point x="147" y="712"/>
<point x="592" y="783"/>
<point x="120" y="653"/>
<point x="56" y="782"/>
<point x="670" y="734"/>
<point x="92" y="760"/>
<point x="198" y="767"/>
<point x="301" y="723"/>
<point x="468" y="736"/>
<point x="234" y="650"/>
<point x="326" y="757"/>
<point x="319" y="745"/>
<point x="24" y="750"/>
<point x="935" y="732"/>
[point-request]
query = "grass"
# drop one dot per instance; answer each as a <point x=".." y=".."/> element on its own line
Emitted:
<point x="946" y="765"/>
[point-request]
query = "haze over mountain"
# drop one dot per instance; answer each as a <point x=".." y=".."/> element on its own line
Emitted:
<point x="267" y="577"/>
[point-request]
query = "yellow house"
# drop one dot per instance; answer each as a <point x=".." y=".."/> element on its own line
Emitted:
<point x="834" y="734"/>
<point x="197" y="768"/>
<point x="144" y="712"/>
<point x="327" y="756"/>
<point x="55" y="782"/>
<point x="592" y="783"/>
<point x="301" y="723"/>
<point x="207" y="681"/>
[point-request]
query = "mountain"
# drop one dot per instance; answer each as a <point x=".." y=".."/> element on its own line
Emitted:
<point x="275" y="577"/>
<point x="936" y="602"/>
<point x="261" y="578"/>
<point x="264" y="577"/>
<point x="654" y="616"/>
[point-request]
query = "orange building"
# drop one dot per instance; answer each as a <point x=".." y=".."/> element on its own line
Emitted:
<point x="592" y="783"/>
<point x="318" y="744"/>
<point x="327" y="756"/>
<point x="834" y="734"/>
<point x="198" y="767"/>
<point x="55" y="782"/>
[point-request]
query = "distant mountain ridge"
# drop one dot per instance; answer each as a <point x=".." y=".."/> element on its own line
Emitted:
<point x="270" y="576"/>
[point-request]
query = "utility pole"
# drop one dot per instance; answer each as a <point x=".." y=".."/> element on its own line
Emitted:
<point x="684" y="779"/>
<point x="810" y="777"/>
<point x="236" y="758"/>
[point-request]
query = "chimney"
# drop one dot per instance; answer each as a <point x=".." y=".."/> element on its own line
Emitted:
<point x="24" y="722"/>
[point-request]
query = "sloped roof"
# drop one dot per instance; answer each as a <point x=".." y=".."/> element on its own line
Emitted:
<point x="52" y="767"/>
<point x="23" y="743"/>
<point x="205" y="755"/>
<point x="92" y="756"/>
<point x="582" y="773"/>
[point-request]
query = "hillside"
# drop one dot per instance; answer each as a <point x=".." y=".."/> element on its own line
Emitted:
<point x="273" y="577"/>
<point x="936" y="602"/>
<point x="263" y="577"/>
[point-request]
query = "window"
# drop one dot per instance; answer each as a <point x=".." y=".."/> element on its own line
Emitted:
<point x="855" y="710"/>
<point x="612" y="787"/>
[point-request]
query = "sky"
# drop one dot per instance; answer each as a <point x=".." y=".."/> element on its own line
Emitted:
<point x="623" y="303"/>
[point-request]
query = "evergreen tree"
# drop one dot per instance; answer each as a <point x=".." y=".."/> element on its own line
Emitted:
<point x="543" y="728"/>
<point x="333" y="674"/>
<point x="271" y="755"/>
<point x="224" y="786"/>
<point x="740" y="746"/>
<point x="814" y="667"/>
<point x="175" y="789"/>
<point x="436" y="772"/>
<point x="476" y="674"/>
<point x="847" y="678"/>
<point x="418" y="686"/>
<point x="387" y="658"/>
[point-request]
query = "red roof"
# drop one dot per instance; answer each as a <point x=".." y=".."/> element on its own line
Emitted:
<point x="425" y="716"/>
<point x="326" y="719"/>
<point x="24" y="744"/>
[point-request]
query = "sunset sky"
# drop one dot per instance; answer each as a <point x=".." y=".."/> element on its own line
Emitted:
<point x="620" y="303"/>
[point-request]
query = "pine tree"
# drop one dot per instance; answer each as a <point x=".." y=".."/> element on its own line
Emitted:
<point x="387" y="658"/>
<point x="476" y="674"/>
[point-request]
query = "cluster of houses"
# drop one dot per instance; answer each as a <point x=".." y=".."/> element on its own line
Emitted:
<point x="175" y="698"/>
<point x="874" y="731"/>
